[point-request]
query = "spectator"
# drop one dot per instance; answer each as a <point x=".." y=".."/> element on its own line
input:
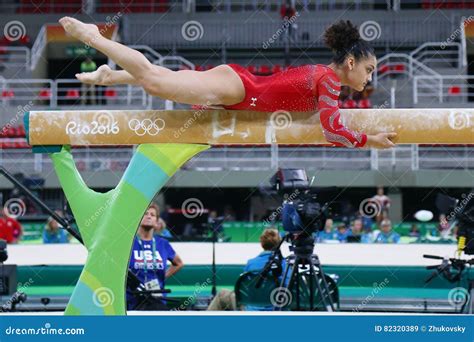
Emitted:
<point x="53" y="232"/>
<point x="148" y="262"/>
<point x="10" y="228"/>
<point x="225" y="299"/>
<point x="383" y="203"/>
<point x="343" y="232"/>
<point x="328" y="233"/>
<point x="386" y="235"/>
<point x="88" y="65"/>
<point x="358" y="234"/>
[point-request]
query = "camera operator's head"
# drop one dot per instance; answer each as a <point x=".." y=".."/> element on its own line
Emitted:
<point x="270" y="239"/>
<point x="150" y="219"/>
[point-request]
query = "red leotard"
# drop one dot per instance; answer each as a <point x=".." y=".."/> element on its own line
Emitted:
<point x="305" y="88"/>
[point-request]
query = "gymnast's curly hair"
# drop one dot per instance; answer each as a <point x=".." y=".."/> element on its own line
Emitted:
<point x="343" y="39"/>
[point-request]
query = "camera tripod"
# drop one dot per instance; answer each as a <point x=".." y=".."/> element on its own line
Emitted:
<point x="303" y="284"/>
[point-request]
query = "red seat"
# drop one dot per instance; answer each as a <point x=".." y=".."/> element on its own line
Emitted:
<point x="454" y="90"/>
<point x="349" y="103"/>
<point x="398" y="67"/>
<point x="198" y="67"/>
<point x="364" y="104"/>
<point x="251" y="69"/>
<point x="110" y="93"/>
<point x="72" y="94"/>
<point x="276" y="68"/>
<point x="21" y="131"/>
<point x="383" y="69"/>
<point x="264" y="70"/>
<point x="44" y="94"/>
<point x="8" y="93"/>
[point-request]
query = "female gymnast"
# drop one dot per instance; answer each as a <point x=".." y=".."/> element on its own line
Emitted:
<point x="305" y="88"/>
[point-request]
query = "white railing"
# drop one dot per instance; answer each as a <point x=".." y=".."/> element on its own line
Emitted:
<point x="14" y="57"/>
<point x="69" y="92"/>
<point x="455" y="88"/>
<point x="402" y="158"/>
<point x="38" y="47"/>
<point x="402" y="64"/>
<point x="439" y="54"/>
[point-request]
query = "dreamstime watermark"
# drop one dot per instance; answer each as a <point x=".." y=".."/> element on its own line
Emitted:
<point x="103" y="296"/>
<point x="459" y="207"/>
<point x="188" y="123"/>
<point x="281" y="297"/>
<point x="192" y="30"/>
<point x="370" y="30"/>
<point x="286" y="24"/>
<point x="192" y="208"/>
<point x="19" y="292"/>
<point x="458" y="297"/>
<point x="377" y="287"/>
<point x="191" y="299"/>
<point x="14" y="30"/>
<point x="102" y="208"/>
<point x="14" y="208"/>
<point x="370" y="208"/>
<point x="281" y="119"/>
<point x="109" y="22"/>
<point x="456" y="33"/>
<point x="274" y="215"/>
<point x="20" y="113"/>
<point x="458" y="120"/>
<point x="46" y="330"/>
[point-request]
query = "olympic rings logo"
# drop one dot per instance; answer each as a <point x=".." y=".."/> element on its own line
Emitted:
<point x="146" y="126"/>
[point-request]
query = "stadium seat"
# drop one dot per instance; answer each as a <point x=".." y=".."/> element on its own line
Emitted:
<point x="454" y="90"/>
<point x="252" y="69"/>
<point x="349" y="103"/>
<point x="276" y="68"/>
<point x="364" y="104"/>
<point x="264" y="70"/>
<point x="110" y="93"/>
<point x="73" y="94"/>
<point x="45" y="94"/>
<point x="8" y="94"/>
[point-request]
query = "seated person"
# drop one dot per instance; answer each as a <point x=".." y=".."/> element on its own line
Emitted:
<point x="358" y="234"/>
<point x="328" y="233"/>
<point x="53" y="232"/>
<point x="225" y="299"/>
<point x="343" y="232"/>
<point x="148" y="262"/>
<point x="386" y="235"/>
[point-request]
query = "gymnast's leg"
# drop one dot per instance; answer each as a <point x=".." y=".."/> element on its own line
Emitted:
<point x="220" y="85"/>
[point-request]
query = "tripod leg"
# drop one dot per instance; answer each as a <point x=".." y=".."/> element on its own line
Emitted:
<point x="323" y="287"/>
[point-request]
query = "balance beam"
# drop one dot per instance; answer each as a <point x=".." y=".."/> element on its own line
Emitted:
<point x="108" y="221"/>
<point x="226" y="127"/>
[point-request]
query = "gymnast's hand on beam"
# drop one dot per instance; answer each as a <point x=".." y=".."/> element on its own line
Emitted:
<point x="381" y="140"/>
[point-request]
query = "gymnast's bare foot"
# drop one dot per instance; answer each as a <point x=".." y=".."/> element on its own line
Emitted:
<point x="86" y="33"/>
<point x="98" y="77"/>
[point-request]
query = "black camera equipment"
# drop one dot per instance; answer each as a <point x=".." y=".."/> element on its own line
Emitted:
<point x="453" y="269"/>
<point x="302" y="275"/>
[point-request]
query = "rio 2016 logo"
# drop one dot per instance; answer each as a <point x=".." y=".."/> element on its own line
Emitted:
<point x="102" y="124"/>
